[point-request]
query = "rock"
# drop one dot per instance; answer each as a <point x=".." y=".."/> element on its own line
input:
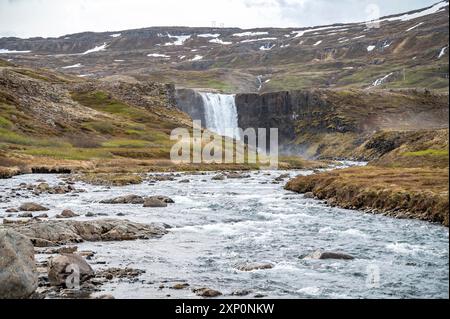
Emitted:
<point x="67" y="214"/>
<point x="18" y="273"/>
<point x="309" y="195"/>
<point x="184" y="181"/>
<point x="254" y="266"/>
<point x="59" y="232"/>
<point x="43" y="187"/>
<point x="129" y="199"/>
<point x="107" y="296"/>
<point x="207" y="292"/>
<point x="32" y="207"/>
<point x="235" y="175"/>
<point x="122" y="273"/>
<point x="219" y="177"/>
<point x="42" y="216"/>
<point x="26" y="215"/>
<point x="329" y="255"/>
<point x="154" y="202"/>
<point x="11" y="210"/>
<point x="60" y="267"/>
<point x="180" y="286"/>
<point x="90" y="214"/>
<point x="165" y="199"/>
<point x="241" y="293"/>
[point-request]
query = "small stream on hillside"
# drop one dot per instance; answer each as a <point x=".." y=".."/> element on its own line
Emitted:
<point x="219" y="224"/>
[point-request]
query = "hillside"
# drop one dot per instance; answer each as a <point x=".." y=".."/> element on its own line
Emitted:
<point x="48" y="117"/>
<point x="408" y="50"/>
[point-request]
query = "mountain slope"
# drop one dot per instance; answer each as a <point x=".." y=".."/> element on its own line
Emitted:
<point x="401" y="51"/>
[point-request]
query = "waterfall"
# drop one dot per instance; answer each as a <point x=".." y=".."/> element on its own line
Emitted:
<point x="220" y="113"/>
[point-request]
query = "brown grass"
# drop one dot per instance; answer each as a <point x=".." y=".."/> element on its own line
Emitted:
<point x="412" y="192"/>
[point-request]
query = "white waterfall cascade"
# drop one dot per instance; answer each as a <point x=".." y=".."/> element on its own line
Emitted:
<point x="221" y="113"/>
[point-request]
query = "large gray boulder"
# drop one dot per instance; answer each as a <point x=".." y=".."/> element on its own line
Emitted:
<point x="62" y="266"/>
<point x="18" y="274"/>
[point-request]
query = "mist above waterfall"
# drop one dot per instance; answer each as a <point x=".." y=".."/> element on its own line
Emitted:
<point x="221" y="114"/>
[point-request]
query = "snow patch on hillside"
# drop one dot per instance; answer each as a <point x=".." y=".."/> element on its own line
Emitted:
<point x="208" y="35"/>
<point x="442" y="53"/>
<point x="96" y="49"/>
<point x="6" y="51"/>
<point x="197" y="58"/>
<point x="219" y="41"/>
<point x="318" y="42"/>
<point x="180" y="39"/>
<point x="249" y="34"/>
<point x="78" y="65"/>
<point x="382" y="80"/>
<point x="370" y="48"/>
<point x="414" y="27"/>
<point x="115" y="35"/>
<point x="158" y="55"/>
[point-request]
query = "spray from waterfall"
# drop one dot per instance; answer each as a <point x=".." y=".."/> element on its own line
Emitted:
<point x="220" y="113"/>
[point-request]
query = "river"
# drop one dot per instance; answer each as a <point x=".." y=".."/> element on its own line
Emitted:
<point x="219" y="224"/>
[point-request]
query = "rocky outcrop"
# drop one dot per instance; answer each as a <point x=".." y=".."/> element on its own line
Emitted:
<point x="18" y="276"/>
<point x="319" y="254"/>
<point x="58" y="232"/>
<point x="190" y="102"/>
<point x="127" y="199"/>
<point x="254" y="266"/>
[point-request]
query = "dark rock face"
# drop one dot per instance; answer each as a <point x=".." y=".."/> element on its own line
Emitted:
<point x="18" y="275"/>
<point x="190" y="102"/>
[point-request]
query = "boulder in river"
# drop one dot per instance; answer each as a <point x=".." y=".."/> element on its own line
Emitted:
<point x="61" y="266"/>
<point x="319" y="254"/>
<point x="154" y="202"/>
<point x="236" y="175"/>
<point x="128" y="199"/>
<point x="67" y="213"/>
<point x="207" y="292"/>
<point x="218" y="177"/>
<point x="32" y="207"/>
<point x="254" y="266"/>
<point x="25" y="215"/>
<point x="18" y="274"/>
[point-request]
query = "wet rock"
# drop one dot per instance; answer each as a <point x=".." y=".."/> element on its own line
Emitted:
<point x="42" y="216"/>
<point x="281" y="178"/>
<point x="218" y="177"/>
<point x="241" y="293"/>
<point x="207" y="292"/>
<point x="154" y="202"/>
<point x="18" y="273"/>
<point x="254" y="266"/>
<point x="121" y="273"/>
<point x="26" y="215"/>
<point x="309" y="195"/>
<point x="129" y="199"/>
<point x="60" y="232"/>
<point x="184" y="181"/>
<point x="106" y="296"/>
<point x="60" y="267"/>
<point x="165" y="199"/>
<point x="161" y="178"/>
<point x="32" y="207"/>
<point x="67" y="213"/>
<point x="90" y="214"/>
<point x="180" y="286"/>
<point x="329" y="255"/>
<point x="235" y="175"/>
<point x="11" y="210"/>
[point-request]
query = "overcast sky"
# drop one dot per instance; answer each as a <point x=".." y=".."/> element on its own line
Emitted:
<point x="28" y="18"/>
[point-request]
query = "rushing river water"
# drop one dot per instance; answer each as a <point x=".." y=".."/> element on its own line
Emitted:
<point x="219" y="224"/>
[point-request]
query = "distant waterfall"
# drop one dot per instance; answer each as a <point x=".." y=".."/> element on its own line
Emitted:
<point x="220" y="113"/>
